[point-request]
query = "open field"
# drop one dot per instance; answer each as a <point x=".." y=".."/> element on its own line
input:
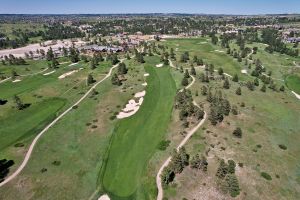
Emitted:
<point x="268" y="120"/>
<point x="135" y="139"/>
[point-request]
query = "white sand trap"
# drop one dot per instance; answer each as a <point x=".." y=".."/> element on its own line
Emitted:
<point x="104" y="197"/>
<point x="73" y="64"/>
<point x="144" y="84"/>
<point x="159" y="65"/>
<point x="140" y="94"/>
<point x="49" y="73"/>
<point x="146" y="74"/>
<point x="219" y="51"/>
<point x="69" y="73"/>
<point x="17" y="80"/>
<point x="244" y="71"/>
<point x="132" y="106"/>
<point x="176" y="49"/>
<point x="297" y="95"/>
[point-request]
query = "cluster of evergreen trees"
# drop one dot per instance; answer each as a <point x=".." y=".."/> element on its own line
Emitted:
<point x="122" y="70"/>
<point x="272" y="37"/>
<point x="219" y="107"/>
<point x="178" y="162"/>
<point x="227" y="180"/>
<point x="184" y="102"/>
<point x="58" y="31"/>
<point x="12" y="60"/>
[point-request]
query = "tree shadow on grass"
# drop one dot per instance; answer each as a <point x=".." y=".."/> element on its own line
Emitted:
<point x="4" y="168"/>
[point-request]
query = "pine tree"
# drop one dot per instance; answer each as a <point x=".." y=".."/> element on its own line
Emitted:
<point x="90" y="80"/>
<point x="222" y="170"/>
<point x="204" y="90"/>
<point x="220" y="71"/>
<point x="122" y="69"/>
<point x="186" y="74"/>
<point x="231" y="166"/>
<point x="193" y="71"/>
<point x="115" y="80"/>
<point x="92" y="64"/>
<point x="238" y="91"/>
<point x="235" y="78"/>
<point x="167" y="176"/>
<point x="263" y="88"/>
<point x="19" y="104"/>
<point x="256" y="82"/>
<point x="282" y="88"/>
<point x="184" y="82"/>
<point x="234" y="110"/>
<point x="226" y="84"/>
<point x="233" y="185"/>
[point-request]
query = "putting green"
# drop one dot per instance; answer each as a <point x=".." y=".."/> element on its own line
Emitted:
<point x="135" y="139"/>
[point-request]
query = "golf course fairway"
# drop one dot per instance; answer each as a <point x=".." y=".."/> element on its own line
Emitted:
<point x="135" y="139"/>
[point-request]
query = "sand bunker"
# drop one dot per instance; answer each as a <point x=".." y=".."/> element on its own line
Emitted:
<point x="244" y="71"/>
<point x="159" y="65"/>
<point x="144" y="84"/>
<point x="17" y="80"/>
<point x="146" y="75"/>
<point x="69" y="73"/>
<point x="140" y="94"/>
<point x="132" y="106"/>
<point x="46" y="74"/>
<point x="104" y="197"/>
<point x="219" y="51"/>
<point x="176" y="49"/>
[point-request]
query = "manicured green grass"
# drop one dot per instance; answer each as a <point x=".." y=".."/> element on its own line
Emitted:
<point x="32" y="66"/>
<point x="293" y="83"/>
<point x="9" y="89"/>
<point x="135" y="139"/>
<point x="27" y="122"/>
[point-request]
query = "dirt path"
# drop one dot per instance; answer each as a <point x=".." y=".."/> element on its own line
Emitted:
<point x="182" y="143"/>
<point x="29" y="152"/>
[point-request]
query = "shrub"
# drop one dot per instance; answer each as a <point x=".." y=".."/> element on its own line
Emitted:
<point x="163" y="145"/>
<point x="266" y="176"/>
<point x="282" y="146"/>
<point x="238" y="132"/>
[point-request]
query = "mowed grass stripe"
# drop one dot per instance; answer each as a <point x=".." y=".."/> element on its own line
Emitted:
<point x="135" y="139"/>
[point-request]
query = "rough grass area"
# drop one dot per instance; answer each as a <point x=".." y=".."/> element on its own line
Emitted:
<point x="135" y="139"/>
<point x="269" y="122"/>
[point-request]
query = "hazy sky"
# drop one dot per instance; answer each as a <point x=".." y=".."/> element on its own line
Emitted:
<point x="150" y="6"/>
